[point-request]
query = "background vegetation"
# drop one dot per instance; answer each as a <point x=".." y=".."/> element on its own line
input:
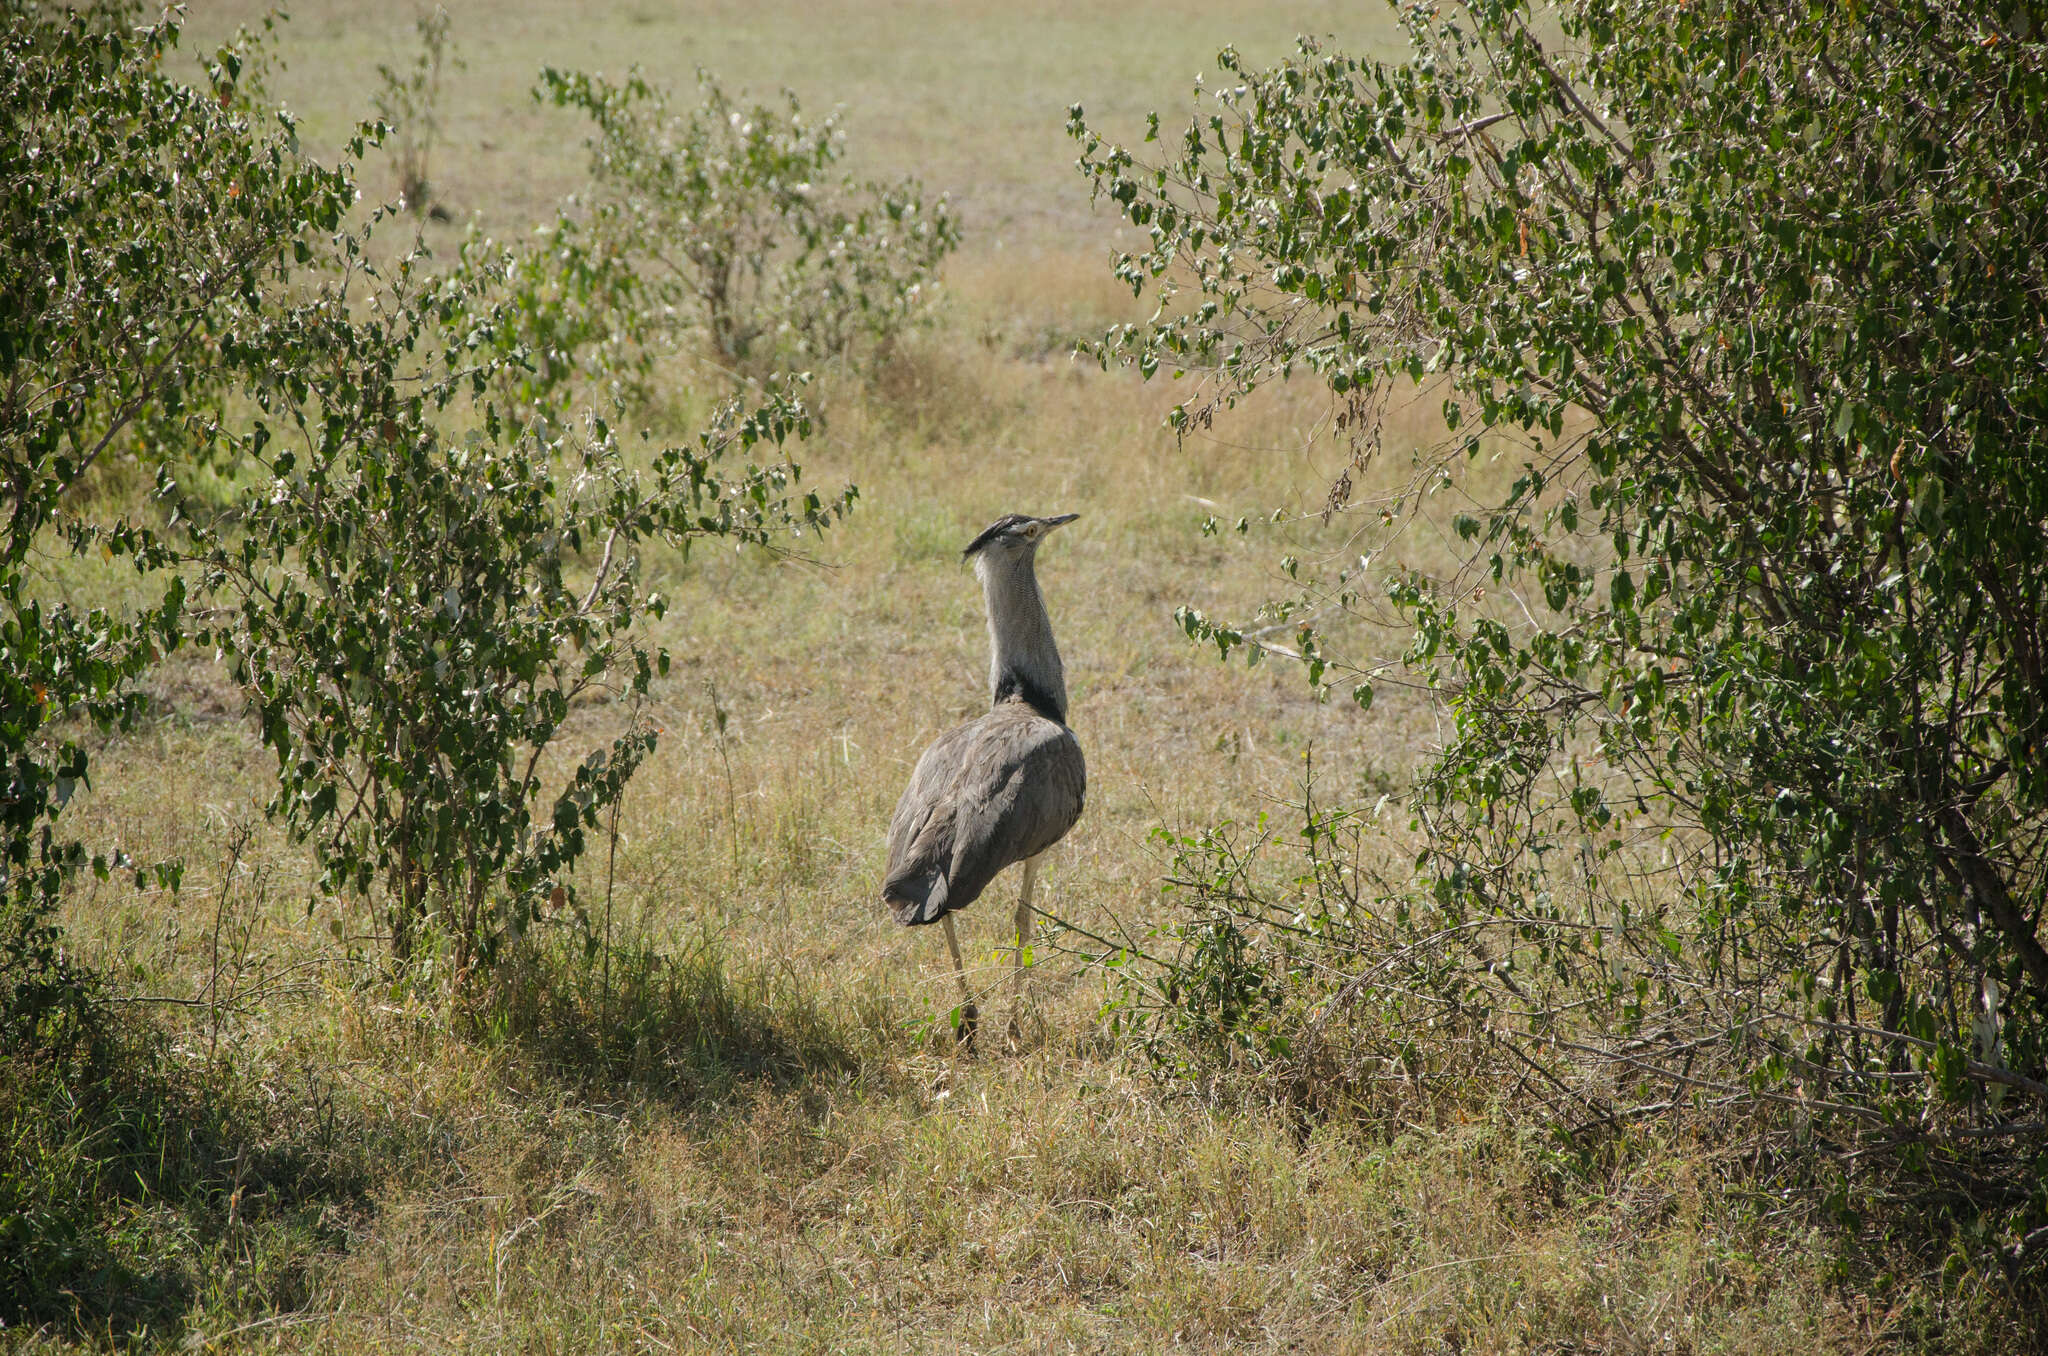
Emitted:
<point x="669" y="1080"/>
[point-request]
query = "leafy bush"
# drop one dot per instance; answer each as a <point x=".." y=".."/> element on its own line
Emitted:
<point x="735" y="220"/>
<point x="417" y="589"/>
<point x="1753" y="297"/>
<point x="416" y="613"/>
<point x="570" y="325"/>
<point x="45" y="998"/>
<point x="145" y="223"/>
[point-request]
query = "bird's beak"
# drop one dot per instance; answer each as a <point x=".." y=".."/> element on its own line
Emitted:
<point x="1060" y="521"/>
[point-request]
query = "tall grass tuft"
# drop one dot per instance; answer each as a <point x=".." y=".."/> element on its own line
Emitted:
<point x="680" y="1027"/>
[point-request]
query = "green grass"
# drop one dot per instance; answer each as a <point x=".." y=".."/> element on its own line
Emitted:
<point x="750" y="1130"/>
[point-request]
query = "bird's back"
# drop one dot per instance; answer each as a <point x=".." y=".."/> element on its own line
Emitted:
<point x="994" y="791"/>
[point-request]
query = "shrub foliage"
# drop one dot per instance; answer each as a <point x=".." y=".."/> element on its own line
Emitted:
<point x="416" y="612"/>
<point x="1754" y="298"/>
<point x="735" y="219"/>
<point x="413" y="589"/>
<point x="145" y="222"/>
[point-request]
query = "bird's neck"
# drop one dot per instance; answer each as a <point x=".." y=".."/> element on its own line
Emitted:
<point x="1023" y="662"/>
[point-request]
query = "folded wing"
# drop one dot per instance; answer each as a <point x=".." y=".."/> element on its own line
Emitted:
<point x="1001" y="788"/>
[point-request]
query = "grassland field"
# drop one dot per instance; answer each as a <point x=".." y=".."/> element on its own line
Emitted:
<point x="759" y="1136"/>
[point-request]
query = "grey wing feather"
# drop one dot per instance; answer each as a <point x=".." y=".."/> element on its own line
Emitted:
<point x="989" y="793"/>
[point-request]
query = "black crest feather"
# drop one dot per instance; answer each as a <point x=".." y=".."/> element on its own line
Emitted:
<point x="994" y="530"/>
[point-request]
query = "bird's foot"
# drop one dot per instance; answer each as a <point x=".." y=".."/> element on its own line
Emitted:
<point x="967" y="1021"/>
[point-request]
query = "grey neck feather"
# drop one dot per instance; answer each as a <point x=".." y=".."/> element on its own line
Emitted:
<point x="1023" y="660"/>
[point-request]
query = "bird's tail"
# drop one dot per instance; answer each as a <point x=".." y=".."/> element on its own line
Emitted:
<point x="917" y="899"/>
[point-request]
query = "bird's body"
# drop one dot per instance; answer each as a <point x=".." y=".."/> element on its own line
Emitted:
<point x="998" y="790"/>
<point x="1005" y="786"/>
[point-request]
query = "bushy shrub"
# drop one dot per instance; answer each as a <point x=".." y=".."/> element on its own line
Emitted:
<point x="146" y="222"/>
<point x="1744" y="664"/>
<point x="571" y="326"/>
<point x="416" y="614"/>
<point x="416" y="588"/>
<point x="417" y="609"/>
<point x="735" y="220"/>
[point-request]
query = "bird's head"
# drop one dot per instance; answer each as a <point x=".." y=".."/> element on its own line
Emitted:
<point x="1014" y="534"/>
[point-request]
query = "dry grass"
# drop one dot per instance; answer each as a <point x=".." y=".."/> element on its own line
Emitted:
<point x="755" y="1135"/>
<point x="972" y="97"/>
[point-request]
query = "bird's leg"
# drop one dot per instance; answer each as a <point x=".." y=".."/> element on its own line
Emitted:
<point x="1025" y="912"/>
<point x="970" y="1016"/>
